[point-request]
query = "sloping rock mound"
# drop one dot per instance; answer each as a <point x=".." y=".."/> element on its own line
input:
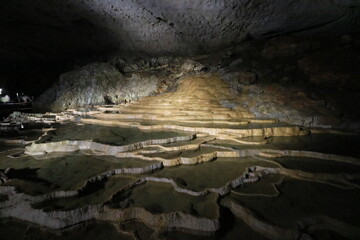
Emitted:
<point x="98" y="83"/>
<point x="297" y="80"/>
<point x="114" y="82"/>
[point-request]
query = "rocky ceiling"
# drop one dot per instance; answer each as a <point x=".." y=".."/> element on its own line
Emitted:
<point x="41" y="39"/>
<point x="52" y="30"/>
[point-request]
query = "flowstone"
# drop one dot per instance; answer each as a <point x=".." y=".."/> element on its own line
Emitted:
<point x="181" y="165"/>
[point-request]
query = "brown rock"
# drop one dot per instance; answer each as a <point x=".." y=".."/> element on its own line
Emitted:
<point x="247" y="78"/>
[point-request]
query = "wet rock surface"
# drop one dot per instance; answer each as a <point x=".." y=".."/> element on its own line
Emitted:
<point x="181" y="164"/>
<point x="200" y="120"/>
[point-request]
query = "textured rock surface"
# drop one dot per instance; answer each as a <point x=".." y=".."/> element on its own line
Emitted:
<point x="41" y="39"/>
<point x="299" y="80"/>
<point x="182" y="163"/>
<point x="98" y="83"/>
<point x="174" y="200"/>
<point x="162" y="26"/>
<point x="306" y="81"/>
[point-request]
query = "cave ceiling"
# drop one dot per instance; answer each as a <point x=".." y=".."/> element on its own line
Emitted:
<point x="70" y="30"/>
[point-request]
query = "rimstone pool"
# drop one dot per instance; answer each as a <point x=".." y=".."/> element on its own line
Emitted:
<point x="177" y="166"/>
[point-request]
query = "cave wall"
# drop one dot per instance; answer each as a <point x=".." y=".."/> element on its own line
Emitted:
<point x="43" y="38"/>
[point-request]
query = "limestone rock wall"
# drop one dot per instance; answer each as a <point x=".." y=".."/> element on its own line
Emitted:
<point x="97" y="83"/>
<point x="308" y="81"/>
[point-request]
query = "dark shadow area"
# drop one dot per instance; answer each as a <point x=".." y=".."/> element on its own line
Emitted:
<point x="92" y="187"/>
<point x="42" y="39"/>
<point x="26" y="174"/>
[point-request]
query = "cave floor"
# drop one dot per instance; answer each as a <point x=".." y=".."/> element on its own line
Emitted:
<point x="180" y="165"/>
